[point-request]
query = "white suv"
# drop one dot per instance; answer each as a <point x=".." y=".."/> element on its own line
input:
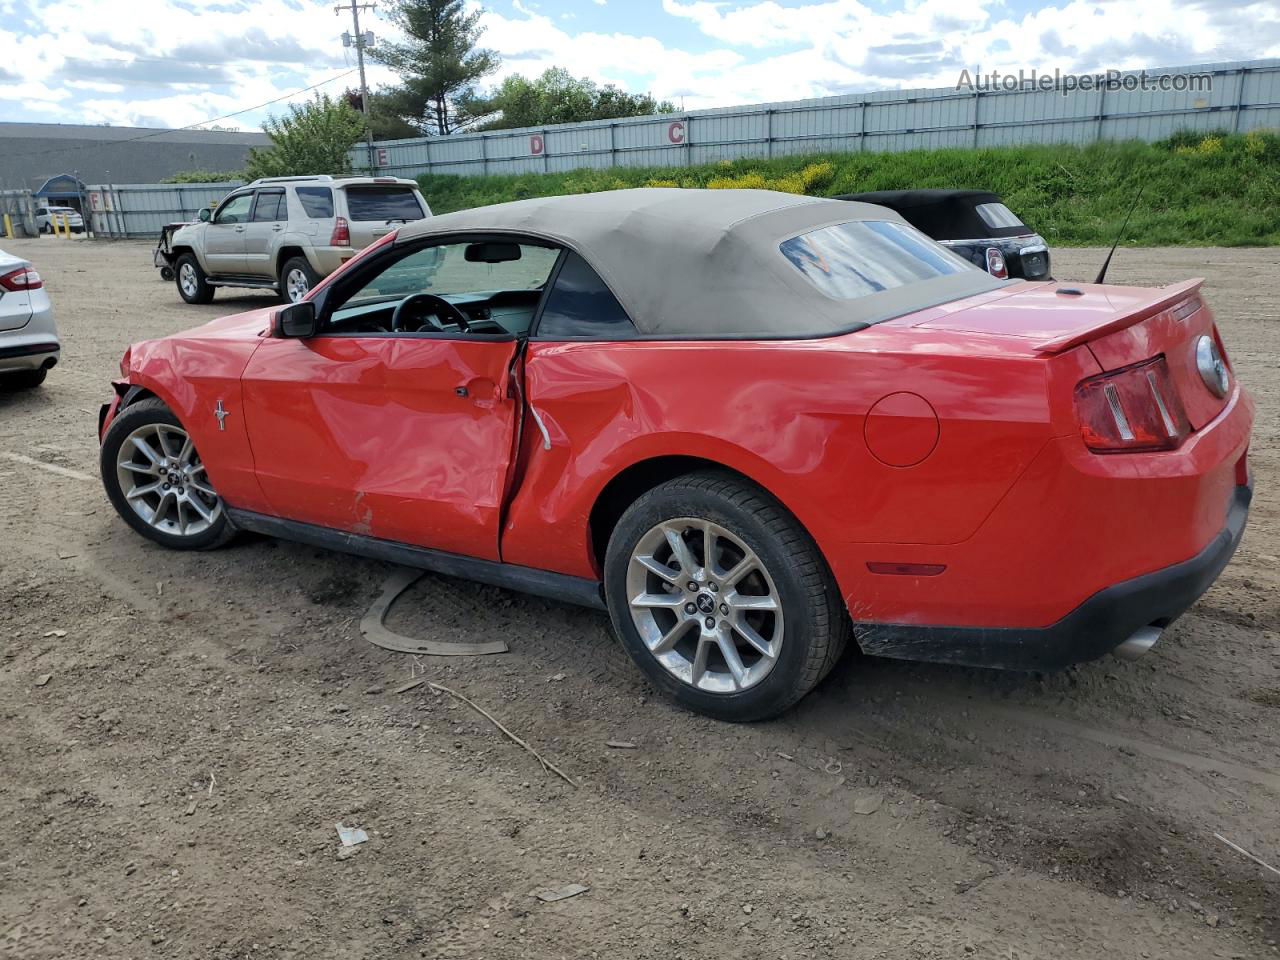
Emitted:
<point x="286" y="233"/>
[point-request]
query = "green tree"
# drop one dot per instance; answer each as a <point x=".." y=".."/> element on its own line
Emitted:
<point x="559" y="97"/>
<point x="204" y="176"/>
<point x="392" y="113"/>
<point x="439" y="62"/>
<point x="313" y="139"/>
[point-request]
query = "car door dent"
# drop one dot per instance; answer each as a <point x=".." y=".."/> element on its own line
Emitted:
<point x="542" y="427"/>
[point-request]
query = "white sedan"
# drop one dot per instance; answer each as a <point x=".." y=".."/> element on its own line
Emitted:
<point x="64" y="216"/>
<point x="29" y="344"/>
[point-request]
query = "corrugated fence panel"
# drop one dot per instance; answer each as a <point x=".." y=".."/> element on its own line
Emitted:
<point x="1243" y="96"/>
<point x="128" y="210"/>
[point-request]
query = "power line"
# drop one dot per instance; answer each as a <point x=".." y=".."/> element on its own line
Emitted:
<point x="190" y="126"/>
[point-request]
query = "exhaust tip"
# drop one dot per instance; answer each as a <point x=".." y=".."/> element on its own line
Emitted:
<point x="1142" y="640"/>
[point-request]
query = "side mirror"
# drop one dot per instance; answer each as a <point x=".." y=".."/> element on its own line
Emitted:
<point x="205" y="214"/>
<point x="298" y="320"/>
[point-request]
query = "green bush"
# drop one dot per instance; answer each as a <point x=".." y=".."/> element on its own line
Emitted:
<point x="1203" y="188"/>
<point x="204" y="176"/>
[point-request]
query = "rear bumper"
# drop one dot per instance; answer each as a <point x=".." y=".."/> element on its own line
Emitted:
<point x="1094" y="628"/>
<point x="32" y="355"/>
<point x="325" y="260"/>
<point x="35" y="344"/>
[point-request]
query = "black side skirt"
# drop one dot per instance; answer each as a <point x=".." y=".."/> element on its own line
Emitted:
<point x="553" y="586"/>
<point x="1094" y="628"/>
<point x="28" y="350"/>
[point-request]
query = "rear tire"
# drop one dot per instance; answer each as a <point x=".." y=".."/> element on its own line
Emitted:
<point x="193" y="286"/>
<point x="296" y="280"/>
<point x="23" y="379"/>
<point x="766" y="573"/>
<point x="155" y="479"/>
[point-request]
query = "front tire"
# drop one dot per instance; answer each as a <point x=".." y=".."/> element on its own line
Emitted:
<point x="296" y="280"/>
<point x="193" y="286"/>
<point x="155" y="479"/>
<point x="722" y="598"/>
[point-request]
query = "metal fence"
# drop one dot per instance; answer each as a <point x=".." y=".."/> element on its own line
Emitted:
<point x="129" y="210"/>
<point x="1240" y="97"/>
<point x="20" y="206"/>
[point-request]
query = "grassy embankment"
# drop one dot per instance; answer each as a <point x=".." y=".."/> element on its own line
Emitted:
<point x="1201" y="190"/>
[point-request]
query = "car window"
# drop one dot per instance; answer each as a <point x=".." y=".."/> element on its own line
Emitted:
<point x="997" y="215"/>
<point x="383" y="203"/>
<point x="316" y="202"/>
<point x="581" y="306"/>
<point x="235" y="210"/>
<point x="862" y="257"/>
<point x="499" y="297"/>
<point x="269" y="206"/>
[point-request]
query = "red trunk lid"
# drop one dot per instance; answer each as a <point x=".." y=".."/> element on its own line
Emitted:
<point x="1119" y="325"/>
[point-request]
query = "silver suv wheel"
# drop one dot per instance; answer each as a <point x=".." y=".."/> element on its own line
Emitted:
<point x="187" y="279"/>
<point x="296" y="284"/>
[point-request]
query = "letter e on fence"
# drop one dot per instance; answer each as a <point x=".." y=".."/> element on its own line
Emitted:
<point x="536" y="146"/>
<point x="675" y="132"/>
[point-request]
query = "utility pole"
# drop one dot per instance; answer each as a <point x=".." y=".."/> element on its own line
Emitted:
<point x="360" y="41"/>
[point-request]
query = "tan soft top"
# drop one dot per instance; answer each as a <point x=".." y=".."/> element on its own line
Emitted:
<point x="705" y="263"/>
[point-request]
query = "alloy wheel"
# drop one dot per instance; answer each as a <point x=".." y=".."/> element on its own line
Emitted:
<point x="187" y="279"/>
<point x="164" y="481"/>
<point x="705" y="605"/>
<point x="296" y="284"/>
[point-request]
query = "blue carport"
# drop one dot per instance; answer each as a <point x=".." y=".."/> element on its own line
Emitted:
<point x="64" y="190"/>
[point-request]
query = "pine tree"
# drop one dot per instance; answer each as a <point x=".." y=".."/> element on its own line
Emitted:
<point x="439" y="62"/>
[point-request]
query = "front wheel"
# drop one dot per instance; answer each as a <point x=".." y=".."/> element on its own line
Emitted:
<point x="722" y="598"/>
<point x="157" y="482"/>
<point x="192" y="285"/>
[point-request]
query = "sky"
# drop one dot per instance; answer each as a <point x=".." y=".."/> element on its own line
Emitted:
<point x="170" y="63"/>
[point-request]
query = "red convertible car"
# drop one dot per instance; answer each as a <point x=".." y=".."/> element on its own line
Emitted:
<point x="749" y="425"/>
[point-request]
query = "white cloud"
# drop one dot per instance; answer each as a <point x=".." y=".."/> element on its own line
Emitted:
<point x="177" y="62"/>
<point x="924" y="43"/>
<point x="167" y="63"/>
<point x="532" y="43"/>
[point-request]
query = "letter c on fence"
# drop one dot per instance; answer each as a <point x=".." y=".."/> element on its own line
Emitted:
<point x="675" y="132"/>
<point x="536" y="145"/>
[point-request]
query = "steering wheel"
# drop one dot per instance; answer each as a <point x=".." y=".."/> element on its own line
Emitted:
<point x="437" y="309"/>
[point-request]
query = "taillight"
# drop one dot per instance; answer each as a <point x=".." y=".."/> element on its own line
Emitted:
<point x="341" y="236"/>
<point x="24" y="278"/>
<point x="995" y="264"/>
<point x="1135" y="408"/>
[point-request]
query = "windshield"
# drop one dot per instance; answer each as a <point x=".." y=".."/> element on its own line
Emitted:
<point x="383" y="203"/>
<point x="445" y="271"/>
<point x="862" y="257"/>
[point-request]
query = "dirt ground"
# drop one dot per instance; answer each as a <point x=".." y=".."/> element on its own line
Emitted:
<point x="171" y="788"/>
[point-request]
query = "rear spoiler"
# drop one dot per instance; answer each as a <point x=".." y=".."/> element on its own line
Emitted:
<point x="1162" y="299"/>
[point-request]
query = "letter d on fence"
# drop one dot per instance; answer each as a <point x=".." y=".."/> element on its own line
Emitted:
<point x="536" y="146"/>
